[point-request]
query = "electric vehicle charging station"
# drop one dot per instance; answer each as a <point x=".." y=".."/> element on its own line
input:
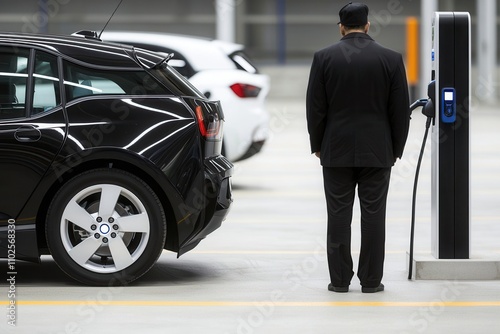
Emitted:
<point x="447" y="109"/>
<point x="450" y="212"/>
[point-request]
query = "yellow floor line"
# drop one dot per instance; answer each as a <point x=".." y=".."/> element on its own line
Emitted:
<point x="256" y="303"/>
<point x="251" y="252"/>
<point x="290" y="252"/>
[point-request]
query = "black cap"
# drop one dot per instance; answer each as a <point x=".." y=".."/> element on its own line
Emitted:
<point x="354" y="14"/>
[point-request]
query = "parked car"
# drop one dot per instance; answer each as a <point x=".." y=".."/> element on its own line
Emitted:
<point x="108" y="156"/>
<point x="222" y="71"/>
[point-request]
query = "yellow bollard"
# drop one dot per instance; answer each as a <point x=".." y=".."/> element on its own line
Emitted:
<point x="412" y="54"/>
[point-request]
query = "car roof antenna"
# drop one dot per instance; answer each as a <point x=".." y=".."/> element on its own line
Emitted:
<point x="99" y="37"/>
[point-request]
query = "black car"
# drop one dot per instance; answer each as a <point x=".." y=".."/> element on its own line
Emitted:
<point x="107" y="157"/>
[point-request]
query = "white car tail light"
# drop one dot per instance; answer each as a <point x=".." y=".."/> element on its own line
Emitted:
<point x="245" y="90"/>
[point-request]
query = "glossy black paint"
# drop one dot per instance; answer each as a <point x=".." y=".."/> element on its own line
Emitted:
<point x="154" y="137"/>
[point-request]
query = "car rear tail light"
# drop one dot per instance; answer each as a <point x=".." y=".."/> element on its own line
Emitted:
<point x="209" y="117"/>
<point x="209" y="123"/>
<point x="244" y="90"/>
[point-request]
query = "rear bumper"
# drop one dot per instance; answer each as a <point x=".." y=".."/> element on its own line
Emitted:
<point x="254" y="148"/>
<point x="218" y="171"/>
<point x="244" y="126"/>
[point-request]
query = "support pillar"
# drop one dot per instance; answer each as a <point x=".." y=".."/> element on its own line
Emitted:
<point x="226" y="23"/>
<point x="486" y="50"/>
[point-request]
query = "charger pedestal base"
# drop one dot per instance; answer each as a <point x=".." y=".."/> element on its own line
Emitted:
<point x="427" y="267"/>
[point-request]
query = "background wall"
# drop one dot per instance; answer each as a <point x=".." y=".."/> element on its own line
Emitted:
<point x="283" y="32"/>
<point x="272" y="30"/>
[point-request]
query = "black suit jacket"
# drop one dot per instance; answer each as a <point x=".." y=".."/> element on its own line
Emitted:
<point x="357" y="104"/>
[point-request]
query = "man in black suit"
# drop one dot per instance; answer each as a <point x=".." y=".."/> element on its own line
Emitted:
<point x="358" y="120"/>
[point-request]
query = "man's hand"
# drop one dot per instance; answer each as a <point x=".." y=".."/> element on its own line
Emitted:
<point x="318" y="154"/>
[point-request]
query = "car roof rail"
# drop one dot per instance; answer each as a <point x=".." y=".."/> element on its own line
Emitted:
<point x="89" y="34"/>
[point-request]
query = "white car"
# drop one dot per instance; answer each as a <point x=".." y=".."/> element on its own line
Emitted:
<point x="223" y="72"/>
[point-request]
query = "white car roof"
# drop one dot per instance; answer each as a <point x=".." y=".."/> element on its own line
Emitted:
<point x="214" y="52"/>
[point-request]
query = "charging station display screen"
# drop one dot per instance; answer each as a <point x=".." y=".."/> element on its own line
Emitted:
<point x="448" y="107"/>
<point x="448" y="96"/>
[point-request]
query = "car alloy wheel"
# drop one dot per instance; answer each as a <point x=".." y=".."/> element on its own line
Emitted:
<point x="105" y="226"/>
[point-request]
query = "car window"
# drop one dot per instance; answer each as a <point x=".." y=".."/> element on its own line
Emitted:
<point x="81" y="81"/>
<point x="243" y="62"/>
<point x="13" y="82"/>
<point x="46" y="83"/>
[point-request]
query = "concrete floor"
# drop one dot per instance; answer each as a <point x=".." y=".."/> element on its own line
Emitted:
<point x="265" y="271"/>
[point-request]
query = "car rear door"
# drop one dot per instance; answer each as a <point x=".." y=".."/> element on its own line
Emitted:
<point x="32" y="126"/>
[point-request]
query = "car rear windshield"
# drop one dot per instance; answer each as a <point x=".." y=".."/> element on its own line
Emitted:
<point x="243" y="62"/>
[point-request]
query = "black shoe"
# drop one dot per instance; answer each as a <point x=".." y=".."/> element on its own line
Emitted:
<point x="338" y="288"/>
<point x="372" y="290"/>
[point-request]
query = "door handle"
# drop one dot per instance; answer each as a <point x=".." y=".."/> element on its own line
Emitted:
<point x="27" y="134"/>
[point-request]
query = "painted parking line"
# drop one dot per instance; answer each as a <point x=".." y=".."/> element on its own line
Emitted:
<point x="253" y="303"/>
<point x="298" y="252"/>
<point x="294" y="220"/>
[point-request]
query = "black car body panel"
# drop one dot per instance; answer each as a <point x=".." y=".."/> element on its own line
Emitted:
<point x="153" y="124"/>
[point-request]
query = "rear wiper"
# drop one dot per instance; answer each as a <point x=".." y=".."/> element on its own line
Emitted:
<point x="164" y="60"/>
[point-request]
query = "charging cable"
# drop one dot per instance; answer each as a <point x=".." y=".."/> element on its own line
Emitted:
<point x="427" y="110"/>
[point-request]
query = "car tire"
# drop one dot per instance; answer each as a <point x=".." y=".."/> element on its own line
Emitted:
<point x="105" y="227"/>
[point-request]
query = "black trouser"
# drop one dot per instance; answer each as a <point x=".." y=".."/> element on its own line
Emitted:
<point x="340" y="184"/>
